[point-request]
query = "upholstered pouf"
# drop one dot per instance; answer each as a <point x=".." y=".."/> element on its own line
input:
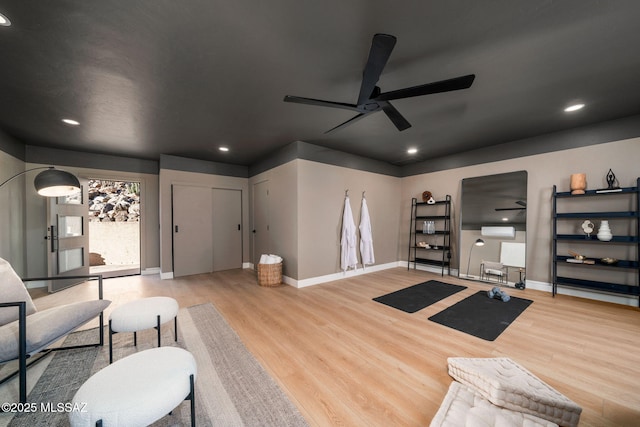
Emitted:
<point x="145" y="313"/>
<point x="506" y="384"/>
<point x="137" y="390"/>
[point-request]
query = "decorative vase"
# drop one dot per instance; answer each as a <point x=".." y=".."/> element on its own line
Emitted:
<point x="578" y="183"/>
<point x="604" y="233"/>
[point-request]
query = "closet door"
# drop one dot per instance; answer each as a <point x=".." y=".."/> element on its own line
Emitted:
<point x="261" y="239"/>
<point x="227" y="229"/>
<point x="192" y="230"/>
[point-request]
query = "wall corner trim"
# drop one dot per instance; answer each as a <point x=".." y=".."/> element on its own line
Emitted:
<point x="166" y="276"/>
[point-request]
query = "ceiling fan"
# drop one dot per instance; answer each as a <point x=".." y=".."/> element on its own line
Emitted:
<point x="371" y="99"/>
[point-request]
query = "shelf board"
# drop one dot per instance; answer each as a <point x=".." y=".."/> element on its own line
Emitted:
<point x="438" y="202"/>
<point x="440" y="248"/>
<point x="424" y="217"/>
<point x="602" y="286"/>
<point x="620" y="264"/>
<point x="588" y="193"/>
<point x="437" y="233"/>
<point x="427" y="261"/>
<point x="582" y="238"/>
<point x="587" y="215"/>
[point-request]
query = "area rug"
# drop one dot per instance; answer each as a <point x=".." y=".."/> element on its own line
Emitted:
<point x="481" y="316"/>
<point x="232" y="388"/>
<point x="419" y="296"/>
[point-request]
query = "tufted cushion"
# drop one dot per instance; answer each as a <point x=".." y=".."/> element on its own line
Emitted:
<point x="505" y="383"/>
<point x="464" y="407"/>
<point x="136" y="390"/>
<point x="47" y="326"/>
<point x="12" y="290"/>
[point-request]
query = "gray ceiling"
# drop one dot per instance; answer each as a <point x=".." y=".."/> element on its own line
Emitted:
<point x="145" y="77"/>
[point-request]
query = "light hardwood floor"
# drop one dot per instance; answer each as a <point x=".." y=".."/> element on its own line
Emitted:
<point x="346" y="360"/>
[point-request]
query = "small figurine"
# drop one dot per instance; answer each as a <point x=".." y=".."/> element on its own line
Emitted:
<point x="427" y="197"/>
<point x="612" y="181"/>
<point x="588" y="227"/>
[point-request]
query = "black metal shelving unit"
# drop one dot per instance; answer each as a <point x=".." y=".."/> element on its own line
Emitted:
<point x="595" y="245"/>
<point x="440" y="213"/>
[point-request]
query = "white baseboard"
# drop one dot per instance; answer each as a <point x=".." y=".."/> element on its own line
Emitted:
<point x="150" y="271"/>
<point x="167" y="275"/>
<point x="337" y="276"/>
<point x="429" y="268"/>
<point x="36" y="284"/>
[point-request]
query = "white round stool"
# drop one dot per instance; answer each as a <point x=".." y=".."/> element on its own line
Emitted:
<point x="137" y="390"/>
<point x="145" y="313"/>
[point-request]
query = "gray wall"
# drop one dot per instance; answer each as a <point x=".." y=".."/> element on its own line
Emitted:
<point x="306" y="205"/>
<point x="321" y="189"/>
<point x="544" y="170"/>
<point x="149" y="219"/>
<point x="169" y="177"/>
<point x="23" y="212"/>
<point x="12" y="212"/>
<point x="283" y="214"/>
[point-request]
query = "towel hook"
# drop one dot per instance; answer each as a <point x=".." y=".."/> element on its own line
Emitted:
<point x="363" y="194"/>
<point x="346" y="193"/>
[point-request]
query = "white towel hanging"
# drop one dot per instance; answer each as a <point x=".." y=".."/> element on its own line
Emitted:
<point x="366" y="236"/>
<point x="348" y="254"/>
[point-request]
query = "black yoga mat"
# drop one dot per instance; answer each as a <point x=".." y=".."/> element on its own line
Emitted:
<point x="419" y="296"/>
<point x="481" y="316"/>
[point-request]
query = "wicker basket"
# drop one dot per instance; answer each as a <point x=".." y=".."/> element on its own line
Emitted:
<point x="270" y="274"/>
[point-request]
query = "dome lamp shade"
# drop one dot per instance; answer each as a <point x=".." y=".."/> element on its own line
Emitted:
<point x="56" y="183"/>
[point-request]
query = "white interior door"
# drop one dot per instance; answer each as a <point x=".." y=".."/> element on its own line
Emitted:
<point x="227" y="229"/>
<point x="192" y="230"/>
<point x="68" y="236"/>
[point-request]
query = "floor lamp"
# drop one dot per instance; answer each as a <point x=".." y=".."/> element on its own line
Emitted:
<point x="51" y="182"/>
<point x="478" y="242"/>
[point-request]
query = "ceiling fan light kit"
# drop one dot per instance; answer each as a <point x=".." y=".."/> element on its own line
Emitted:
<point x="372" y="100"/>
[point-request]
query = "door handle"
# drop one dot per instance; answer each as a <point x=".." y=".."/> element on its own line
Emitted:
<point x="54" y="239"/>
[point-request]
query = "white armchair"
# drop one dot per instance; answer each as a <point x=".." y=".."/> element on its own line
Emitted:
<point x="24" y="331"/>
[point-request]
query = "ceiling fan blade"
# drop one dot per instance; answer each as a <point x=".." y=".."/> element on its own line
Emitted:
<point x="347" y="123"/>
<point x="511" y="209"/>
<point x="395" y="116"/>
<point x="320" y="102"/>
<point x="379" y="54"/>
<point x="456" y="83"/>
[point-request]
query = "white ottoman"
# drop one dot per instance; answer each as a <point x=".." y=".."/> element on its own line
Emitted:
<point x="145" y="313"/>
<point x="137" y="390"/>
<point x="505" y="383"/>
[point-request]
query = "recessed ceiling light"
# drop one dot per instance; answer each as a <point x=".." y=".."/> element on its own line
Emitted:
<point x="505" y="219"/>
<point x="412" y="150"/>
<point x="4" y="21"/>
<point x="225" y="149"/>
<point x="574" y="107"/>
<point x="71" y="122"/>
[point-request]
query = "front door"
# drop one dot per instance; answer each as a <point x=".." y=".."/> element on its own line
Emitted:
<point x="68" y="236"/>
